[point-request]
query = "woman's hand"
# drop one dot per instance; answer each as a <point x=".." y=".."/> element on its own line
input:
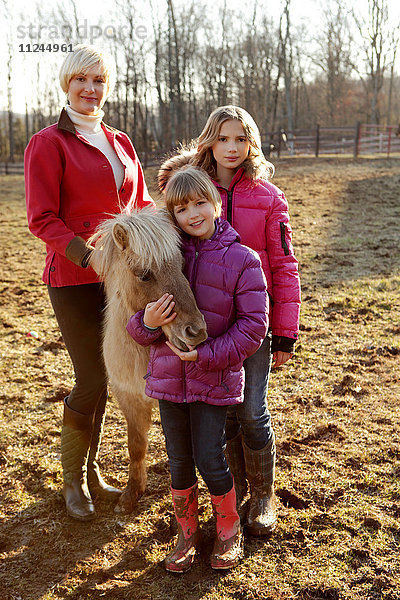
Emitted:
<point x="279" y="358"/>
<point x="191" y="355"/>
<point x="158" y="313"/>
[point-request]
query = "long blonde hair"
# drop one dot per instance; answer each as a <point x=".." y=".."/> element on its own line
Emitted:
<point x="256" y="165"/>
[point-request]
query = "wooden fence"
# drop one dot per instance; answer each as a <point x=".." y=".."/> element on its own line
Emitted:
<point x="358" y="140"/>
<point x="9" y="168"/>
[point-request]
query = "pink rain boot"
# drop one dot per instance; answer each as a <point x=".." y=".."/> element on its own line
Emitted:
<point x="228" y="546"/>
<point x="182" y="556"/>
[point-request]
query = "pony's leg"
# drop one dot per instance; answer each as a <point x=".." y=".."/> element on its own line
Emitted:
<point x="138" y="416"/>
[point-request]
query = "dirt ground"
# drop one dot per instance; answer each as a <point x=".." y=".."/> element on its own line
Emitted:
<point x="335" y="410"/>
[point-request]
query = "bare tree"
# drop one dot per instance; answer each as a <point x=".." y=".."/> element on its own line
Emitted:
<point x="286" y="54"/>
<point x="334" y="55"/>
<point x="174" y="76"/>
<point x="375" y="39"/>
<point x="161" y="124"/>
<point x="395" y="38"/>
<point x="7" y="13"/>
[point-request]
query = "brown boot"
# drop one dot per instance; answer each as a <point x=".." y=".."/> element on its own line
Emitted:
<point x="260" y="471"/>
<point x="228" y="546"/>
<point x="235" y="458"/>
<point x="182" y="556"/>
<point x="75" y="440"/>
<point x="97" y="486"/>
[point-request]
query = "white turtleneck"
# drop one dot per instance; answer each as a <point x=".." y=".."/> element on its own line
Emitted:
<point x="90" y="127"/>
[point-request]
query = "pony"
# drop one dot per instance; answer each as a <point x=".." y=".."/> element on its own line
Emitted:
<point x="140" y="260"/>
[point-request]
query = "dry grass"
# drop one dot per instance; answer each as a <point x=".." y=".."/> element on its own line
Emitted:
<point x="335" y="409"/>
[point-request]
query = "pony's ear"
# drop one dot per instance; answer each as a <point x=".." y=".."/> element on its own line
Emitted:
<point x="120" y="236"/>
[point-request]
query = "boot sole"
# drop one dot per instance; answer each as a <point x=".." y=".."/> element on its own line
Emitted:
<point x="226" y="567"/>
<point x="178" y="571"/>
<point x="82" y="518"/>
<point x="181" y="572"/>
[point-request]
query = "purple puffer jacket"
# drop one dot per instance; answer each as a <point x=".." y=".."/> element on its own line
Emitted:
<point x="230" y="290"/>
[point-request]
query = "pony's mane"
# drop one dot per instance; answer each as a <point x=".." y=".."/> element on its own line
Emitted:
<point x="152" y="238"/>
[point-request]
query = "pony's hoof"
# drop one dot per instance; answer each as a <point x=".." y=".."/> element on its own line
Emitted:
<point x="126" y="504"/>
<point x="124" y="508"/>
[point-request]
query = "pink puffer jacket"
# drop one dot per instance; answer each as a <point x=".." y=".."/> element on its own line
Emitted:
<point x="230" y="291"/>
<point x="259" y="213"/>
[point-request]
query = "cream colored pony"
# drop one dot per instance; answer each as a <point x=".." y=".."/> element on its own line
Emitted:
<point x="140" y="259"/>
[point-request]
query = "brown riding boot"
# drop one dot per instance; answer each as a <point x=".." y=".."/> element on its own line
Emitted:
<point x="97" y="486"/>
<point x="182" y="556"/>
<point x="260" y="471"/>
<point x="235" y="459"/>
<point x="75" y="440"/>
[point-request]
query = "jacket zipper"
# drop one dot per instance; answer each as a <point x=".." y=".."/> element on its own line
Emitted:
<point x="229" y="204"/>
<point x="184" y="381"/>
<point x="194" y="272"/>
<point x="192" y="283"/>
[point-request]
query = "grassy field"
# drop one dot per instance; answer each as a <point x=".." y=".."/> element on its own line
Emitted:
<point x="335" y="410"/>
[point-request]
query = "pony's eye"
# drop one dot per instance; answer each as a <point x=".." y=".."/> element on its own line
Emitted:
<point x="145" y="276"/>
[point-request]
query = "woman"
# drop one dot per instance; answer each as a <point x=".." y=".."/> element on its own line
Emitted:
<point x="78" y="171"/>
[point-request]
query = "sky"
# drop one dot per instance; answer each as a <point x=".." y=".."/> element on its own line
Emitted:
<point x="93" y="23"/>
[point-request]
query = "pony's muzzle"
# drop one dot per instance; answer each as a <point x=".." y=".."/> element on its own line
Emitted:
<point x="189" y="335"/>
<point x="194" y="335"/>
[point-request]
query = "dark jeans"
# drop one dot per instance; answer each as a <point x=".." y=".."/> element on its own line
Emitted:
<point x="195" y="437"/>
<point x="253" y="416"/>
<point x="79" y="313"/>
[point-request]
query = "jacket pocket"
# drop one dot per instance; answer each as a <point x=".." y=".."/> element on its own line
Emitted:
<point x="284" y="245"/>
<point x="222" y="375"/>
<point x="229" y="377"/>
<point x="85" y="225"/>
<point x="149" y="370"/>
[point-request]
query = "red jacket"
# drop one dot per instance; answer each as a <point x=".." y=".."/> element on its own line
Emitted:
<point x="70" y="189"/>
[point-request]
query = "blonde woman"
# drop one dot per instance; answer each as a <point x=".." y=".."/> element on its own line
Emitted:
<point x="77" y="172"/>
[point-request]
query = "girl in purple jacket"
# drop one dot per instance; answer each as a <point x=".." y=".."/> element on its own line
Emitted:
<point x="195" y="387"/>
<point x="229" y="149"/>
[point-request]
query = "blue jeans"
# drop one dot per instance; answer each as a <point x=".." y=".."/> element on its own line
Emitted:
<point x="253" y="417"/>
<point x="195" y="437"/>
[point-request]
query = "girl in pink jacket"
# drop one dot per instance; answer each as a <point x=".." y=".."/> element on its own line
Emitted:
<point x="195" y="387"/>
<point x="229" y="149"/>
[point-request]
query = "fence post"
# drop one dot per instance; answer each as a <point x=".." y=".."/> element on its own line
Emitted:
<point x="357" y="139"/>
<point x="317" y="141"/>
<point x="389" y="143"/>
<point x="279" y="143"/>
